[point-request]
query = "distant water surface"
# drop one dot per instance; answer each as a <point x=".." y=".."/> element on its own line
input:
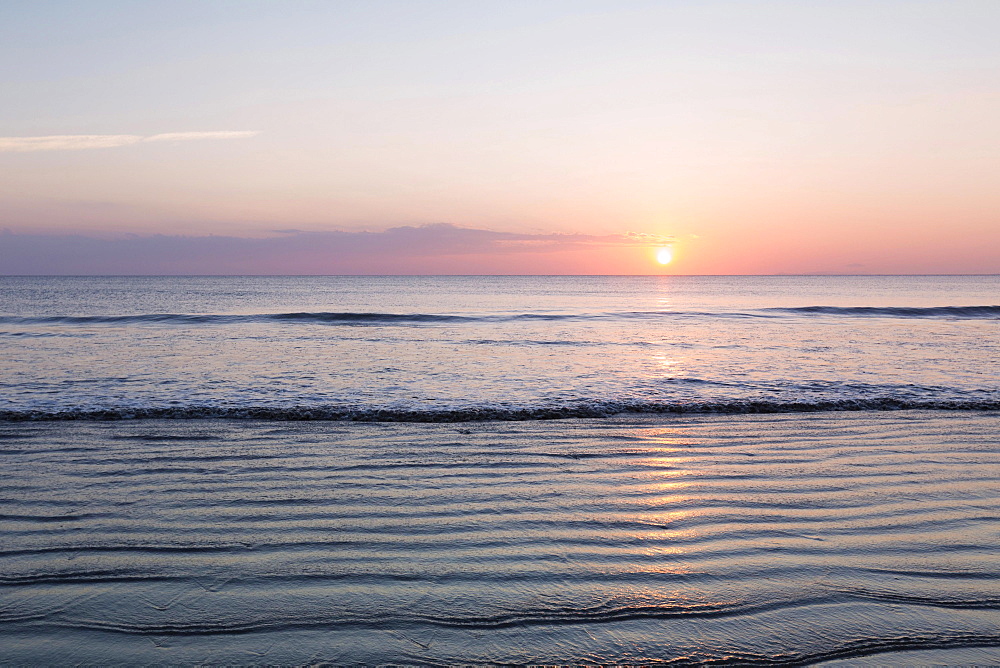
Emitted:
<point x="457" y="348"/>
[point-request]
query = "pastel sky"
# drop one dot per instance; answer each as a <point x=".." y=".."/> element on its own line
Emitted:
<point x="508" y="136"/>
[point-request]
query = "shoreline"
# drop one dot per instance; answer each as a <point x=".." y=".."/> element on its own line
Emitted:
<point x="597" y="411"/>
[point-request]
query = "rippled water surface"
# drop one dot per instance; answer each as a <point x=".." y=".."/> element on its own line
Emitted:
<point x="749" y="539"/>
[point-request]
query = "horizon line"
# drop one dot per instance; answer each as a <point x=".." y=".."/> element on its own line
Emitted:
<point x="781" y="275"/>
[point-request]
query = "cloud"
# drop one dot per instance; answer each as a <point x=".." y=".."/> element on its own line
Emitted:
<point x="439" y="248"/>
<point x="185" y="136"/>
<point x="64" y="142"/>
<point x="80" y="142"/>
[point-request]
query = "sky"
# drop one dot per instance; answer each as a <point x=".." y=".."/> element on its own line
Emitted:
<point x="499" y="137"/>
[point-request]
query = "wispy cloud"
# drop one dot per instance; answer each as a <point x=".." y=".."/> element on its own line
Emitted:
<point x="64" y="142"/>
<point x="80" y="142"/>
<point x="186" y="136"/>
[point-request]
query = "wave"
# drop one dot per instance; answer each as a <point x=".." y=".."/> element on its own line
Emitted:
<point x="855" y="648"/>
<point x="546" y="617"/>
<point x="367" y="318"/>
<point x="314" y="317"/>
<point x="592" y="409"/>
<point x="346" y="318"/>
<point x="43" y="335"/>
<point x="978" y="603"/>
<point x="963" y="312"/>
<point x="550" y="617"/>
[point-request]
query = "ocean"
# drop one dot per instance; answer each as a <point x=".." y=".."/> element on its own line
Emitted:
<point x="779" y="470"/>
<point x="456" y="348"/>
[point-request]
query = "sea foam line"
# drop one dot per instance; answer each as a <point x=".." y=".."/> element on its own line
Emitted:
<point x="598" y="409"/>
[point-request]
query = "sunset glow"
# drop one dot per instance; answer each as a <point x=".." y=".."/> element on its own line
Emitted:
<point x="664" y="256"/>
<point x="545" y="138"/>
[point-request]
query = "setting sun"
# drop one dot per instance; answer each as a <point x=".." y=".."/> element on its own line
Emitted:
<point x="664" y="256"/>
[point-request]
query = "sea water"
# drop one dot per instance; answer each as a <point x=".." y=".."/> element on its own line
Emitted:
<point x="350" y="470"/>
<point x="455" y="348"/>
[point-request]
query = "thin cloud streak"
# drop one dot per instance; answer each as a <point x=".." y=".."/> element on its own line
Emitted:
<point x="64" y="142"/>
<point x="186" y="136"/>
<point x="81" y="142"/>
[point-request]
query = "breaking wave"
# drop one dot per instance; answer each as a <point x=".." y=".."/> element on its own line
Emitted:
<point x="591" y="409"/>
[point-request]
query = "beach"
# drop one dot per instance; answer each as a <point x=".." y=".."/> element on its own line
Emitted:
<point x="382" y="333"/>
<point x="772" y="539"/>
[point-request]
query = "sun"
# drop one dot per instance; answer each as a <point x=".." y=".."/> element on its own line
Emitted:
<point x="664" y="256"/>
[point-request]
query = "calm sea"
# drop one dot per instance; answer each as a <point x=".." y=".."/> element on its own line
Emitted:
<point x="350" y="471"/>
<point x="458" y="348"/>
